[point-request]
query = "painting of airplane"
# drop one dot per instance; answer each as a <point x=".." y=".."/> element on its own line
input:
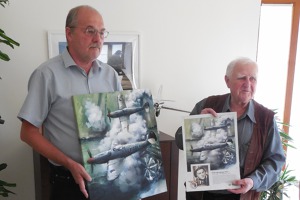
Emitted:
<point x="212" y="146"/>
<point x="124" y="111"/>
<point x="124" y="160"/>
<point x="217" y="127"/>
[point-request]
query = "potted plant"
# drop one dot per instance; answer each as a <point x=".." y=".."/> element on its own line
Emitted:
<point x="3" y="184"/>
<point x="279" y="188"/>
<point x="4" y="39"/>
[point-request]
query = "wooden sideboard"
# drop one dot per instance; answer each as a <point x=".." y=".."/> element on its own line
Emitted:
<point x="169" y="152"/>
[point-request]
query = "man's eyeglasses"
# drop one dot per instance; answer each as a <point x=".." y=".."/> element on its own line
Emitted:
<point x="91" y="31"/>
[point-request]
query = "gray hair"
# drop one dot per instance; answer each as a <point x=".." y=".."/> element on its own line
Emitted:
<point x="72" y="19"/>
<point x="239" y="61"/>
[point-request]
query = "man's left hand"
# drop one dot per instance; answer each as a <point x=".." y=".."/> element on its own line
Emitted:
<point x="245" y="185"/>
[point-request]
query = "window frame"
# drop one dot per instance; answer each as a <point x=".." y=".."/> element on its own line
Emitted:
<point x="292" y="57"/>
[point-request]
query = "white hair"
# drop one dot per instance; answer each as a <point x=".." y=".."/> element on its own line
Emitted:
<point x="239" y="61"/>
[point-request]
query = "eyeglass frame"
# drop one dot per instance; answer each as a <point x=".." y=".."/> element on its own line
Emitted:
<point x="103" y="33"/>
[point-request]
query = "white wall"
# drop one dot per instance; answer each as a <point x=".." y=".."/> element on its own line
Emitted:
<point x="185" y="46"/>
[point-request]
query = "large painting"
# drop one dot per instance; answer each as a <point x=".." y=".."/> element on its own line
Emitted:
<point x="120" y="50"/>
<point x="120" y="144"/>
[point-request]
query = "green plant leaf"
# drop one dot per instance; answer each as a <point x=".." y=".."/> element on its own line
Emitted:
<point x="4" y="56"/>
<point x="3" y="183"/>
<point x="3" y="166"/>
<point x="2" y="2"/>
<point x="7" y="43"/>
<point x="285" y="136"/>
<point x="4" y="192"/>
<point x="8" y="39"/>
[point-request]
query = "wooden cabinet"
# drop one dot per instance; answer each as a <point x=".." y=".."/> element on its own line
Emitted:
<point x="169" y="152"/>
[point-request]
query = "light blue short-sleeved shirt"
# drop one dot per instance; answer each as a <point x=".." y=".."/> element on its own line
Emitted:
<point x="49" y="99"/>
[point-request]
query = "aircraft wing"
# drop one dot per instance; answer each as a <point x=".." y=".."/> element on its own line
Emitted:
<point x="114" y="168"/>
<point x="121" y="101"/>
<point x="124" y="120"/>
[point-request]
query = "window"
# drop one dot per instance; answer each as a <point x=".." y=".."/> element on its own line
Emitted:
<point x="273" y="55"/>
<point x="279" y="70"/>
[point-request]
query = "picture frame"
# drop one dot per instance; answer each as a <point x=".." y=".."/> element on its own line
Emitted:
<point x="120" y="50"/>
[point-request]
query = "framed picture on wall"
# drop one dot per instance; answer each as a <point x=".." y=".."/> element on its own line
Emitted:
<point x="120" y="50"/>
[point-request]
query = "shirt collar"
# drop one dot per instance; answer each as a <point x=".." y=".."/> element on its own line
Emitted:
<point x="68" y="60"/>
<point x="249" y="112"/>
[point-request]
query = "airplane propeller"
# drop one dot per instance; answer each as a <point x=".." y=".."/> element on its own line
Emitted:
<point x="158" y="105"/>
<point x="192" y="149"/>
<point x="108" y="111"/>
<point x="90" y="155"/>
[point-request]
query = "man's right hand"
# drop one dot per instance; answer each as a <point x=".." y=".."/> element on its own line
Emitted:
<point x="32" y="136"/>
<point x="80" y="175"/>
<point x="209" y="111"/>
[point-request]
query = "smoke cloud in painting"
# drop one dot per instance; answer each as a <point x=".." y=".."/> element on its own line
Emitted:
<point x="94" y="116"/>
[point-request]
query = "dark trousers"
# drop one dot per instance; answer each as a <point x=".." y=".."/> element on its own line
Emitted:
<point x="63" y="186"/>
<point x="210" y="196"/>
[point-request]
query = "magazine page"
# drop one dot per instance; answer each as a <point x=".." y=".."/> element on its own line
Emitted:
<point x="120" y="144"/>
<point x="211" y="151"/>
